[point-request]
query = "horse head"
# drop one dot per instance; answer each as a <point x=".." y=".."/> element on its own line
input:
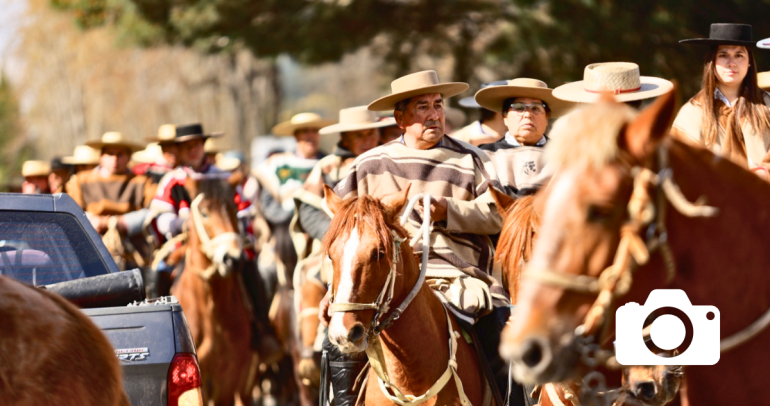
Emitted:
<point x="364" y="244"/>
<point x="214" y="228"/>
<point x="563" y="303"/>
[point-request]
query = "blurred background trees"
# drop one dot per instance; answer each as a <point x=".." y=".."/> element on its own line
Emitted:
<point x="239" y="66"/>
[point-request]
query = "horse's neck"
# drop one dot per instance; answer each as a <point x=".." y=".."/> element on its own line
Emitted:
<point x="722" y="261"/>
<point x="416" y="346"/>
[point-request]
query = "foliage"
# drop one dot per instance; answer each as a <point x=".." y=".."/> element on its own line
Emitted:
<point x="12" y="148"/>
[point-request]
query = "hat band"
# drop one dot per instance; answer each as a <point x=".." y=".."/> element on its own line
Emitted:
<point x="616" y="91"/>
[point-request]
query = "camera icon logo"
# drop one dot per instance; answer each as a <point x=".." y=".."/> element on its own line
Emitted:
<point x="690" y="332"/>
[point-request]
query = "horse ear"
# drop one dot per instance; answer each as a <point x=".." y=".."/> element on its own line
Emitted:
<point x="502" y="200"/>
<point x="333" y="202"/>
<point x="395" y="202"/>
<point x="641" y="137"/>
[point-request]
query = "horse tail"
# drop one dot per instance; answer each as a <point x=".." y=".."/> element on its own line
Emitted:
<point x="516" y="242"/>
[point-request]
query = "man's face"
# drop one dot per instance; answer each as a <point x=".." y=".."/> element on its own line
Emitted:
<point x="390" y="133"/>
<point x="308" y="141"/>
<point x="115" y="159"/>
<point x="170" y="154"/>
<point x="35" y="184"/>
<point x="57" y="178"/>
<point x="359" y="142"/>
<point x="423" y="119"/>
<point x="191" y="152"/>
<point x="527" y="126"/>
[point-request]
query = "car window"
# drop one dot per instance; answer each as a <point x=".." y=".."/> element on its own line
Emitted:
<point x="42" y="248"/>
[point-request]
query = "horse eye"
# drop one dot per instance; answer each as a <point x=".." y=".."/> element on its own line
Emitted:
<point x="378" y="255"/>
<point x="599" y="214"/>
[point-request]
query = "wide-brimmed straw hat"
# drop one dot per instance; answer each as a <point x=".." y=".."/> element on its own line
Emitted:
<point x="149" y="154"/>
<point x="416" y="84"/>
<point x="354" y="119"/>
<point x="300" y="121"/>
<point x="114" y="139"/>
<point x="725" y="34"/>
<point x="470" y="101"/>
<point x="492" y="98"/>
<point x="763" y="80"/>
<point x="35" y="168"/>
<point x="83" y="155"/>
<point x="166" y="135"/>
<point x="622" y="79"/>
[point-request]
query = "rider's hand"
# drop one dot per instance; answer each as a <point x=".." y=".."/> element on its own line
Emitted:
<point x="438" y="208"/>
<point x="323" y="309"/>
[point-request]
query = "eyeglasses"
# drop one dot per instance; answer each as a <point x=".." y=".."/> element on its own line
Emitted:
<point x="536" y="108"/>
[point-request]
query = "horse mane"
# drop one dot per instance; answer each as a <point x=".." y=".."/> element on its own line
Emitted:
<point x="588" y="136"/>
<point x="218" y="191"/>
<point x="514" y="248"/>
<point x="365" y="210"/>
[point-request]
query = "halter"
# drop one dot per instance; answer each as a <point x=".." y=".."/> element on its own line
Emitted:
<point x="215" y="249"/>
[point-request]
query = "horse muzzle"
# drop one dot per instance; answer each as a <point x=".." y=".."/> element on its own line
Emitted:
<point x="348" y="340"/>
<point x="536" y="360"/>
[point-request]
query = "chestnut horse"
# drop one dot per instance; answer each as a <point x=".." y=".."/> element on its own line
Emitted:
<point x="641" y="385"/>
<point x="213" y="297"/>
<point x="622" y="198"/>
<point x="52" y="354"/>
<point x="373" y="267"/>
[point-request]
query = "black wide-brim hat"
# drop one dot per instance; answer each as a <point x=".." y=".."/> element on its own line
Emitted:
<point x="192" y="132"/>
<point x="725" y="34"/>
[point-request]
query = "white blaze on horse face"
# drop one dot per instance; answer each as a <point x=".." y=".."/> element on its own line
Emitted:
<point x="337" y="329"/>
<point x="552" y="228"/>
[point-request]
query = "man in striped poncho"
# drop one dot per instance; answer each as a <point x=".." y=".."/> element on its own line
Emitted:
<point x="458" y="176"/>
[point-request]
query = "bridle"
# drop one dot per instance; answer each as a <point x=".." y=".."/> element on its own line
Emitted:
<point x="215" y="249"/>
<point x="381" y="307"/>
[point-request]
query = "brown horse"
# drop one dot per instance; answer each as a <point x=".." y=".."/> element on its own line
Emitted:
<point x="365" y="245"/>
<point x="213" y="298"/>
<point x="641" y="385"/>
<point x="623" y="186"/>
<point x="51" y="353"/>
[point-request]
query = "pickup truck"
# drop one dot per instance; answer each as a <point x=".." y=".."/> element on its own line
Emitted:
<point x="46" y="241"/>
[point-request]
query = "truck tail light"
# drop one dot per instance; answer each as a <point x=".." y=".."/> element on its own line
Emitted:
<point x="184" y="381"/>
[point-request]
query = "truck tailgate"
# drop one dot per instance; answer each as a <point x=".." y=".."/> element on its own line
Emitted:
<point x="145" y="339"/>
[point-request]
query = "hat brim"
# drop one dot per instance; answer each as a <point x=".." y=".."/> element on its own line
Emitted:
<point x="446" y="89"/>
<point x="709" y="41"/>
<point x="191" y="137"/>
<point x="469" y="103"/>
<point x="287" y="128"/>
<point x="71" y="160"/>
<point x="99" y="145"/>
<point x="492" y="98"/>
<point x="341" y="128"/>
<point x="651" y="87"/>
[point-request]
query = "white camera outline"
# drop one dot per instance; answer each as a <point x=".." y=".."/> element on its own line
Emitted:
<point x="630" y="348"/>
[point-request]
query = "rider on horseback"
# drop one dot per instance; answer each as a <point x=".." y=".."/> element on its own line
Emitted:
<point x="359" y="132"/>
<point x="172" y="205"/>
<point x="457" y="176"/>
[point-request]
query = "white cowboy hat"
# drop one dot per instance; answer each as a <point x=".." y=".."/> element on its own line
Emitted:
<point x="149" y="154"/>
<point x="622" y="79"/>
<point x="492" y="98"/>
<point x="763" y="80"/>
<point x="83" y="155"/>
<point x="355" y="119"/>
<point x="299" y="121"/>
<point x="35" y="168"/>
<point x="116" y="139"/>
<point x="166" y="135"/>
<point x="416" y="84"/>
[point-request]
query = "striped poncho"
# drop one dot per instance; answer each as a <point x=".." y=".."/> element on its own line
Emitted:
<point x="460" y="172"/>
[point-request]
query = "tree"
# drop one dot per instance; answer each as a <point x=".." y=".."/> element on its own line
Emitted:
<point x="13" y="146"/>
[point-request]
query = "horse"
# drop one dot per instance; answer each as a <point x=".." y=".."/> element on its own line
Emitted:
<point x="654" y="385"/>
<point x="620" y="218"/>
<point x="51" y="353"/>
<point x="416" y="352"/>
<point x="213" y="297"/>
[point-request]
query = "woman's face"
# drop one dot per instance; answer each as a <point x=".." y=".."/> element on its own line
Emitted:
<point x="732" y="64"/>
<point x="361" y="141"/>
<point x="527" y="126"/>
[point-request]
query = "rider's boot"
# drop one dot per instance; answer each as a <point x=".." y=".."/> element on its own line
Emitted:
<point x="488" y="329"/>
<point x="263" y="339"/>
<point x="343" y="371"/>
